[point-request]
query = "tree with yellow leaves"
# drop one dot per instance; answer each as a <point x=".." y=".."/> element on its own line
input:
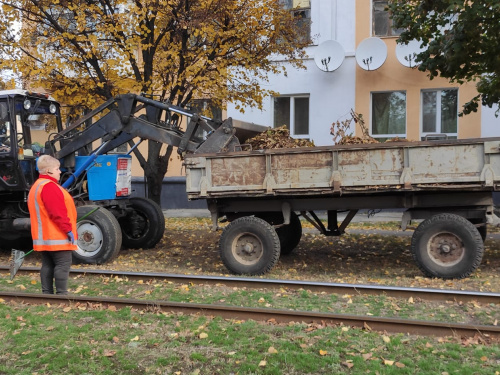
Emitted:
<point x="86" y="51"/>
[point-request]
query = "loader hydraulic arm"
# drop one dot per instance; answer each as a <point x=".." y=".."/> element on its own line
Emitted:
<point x="130" y="116"/>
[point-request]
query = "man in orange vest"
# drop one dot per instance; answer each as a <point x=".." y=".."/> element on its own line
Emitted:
<point x="53" y="225"/>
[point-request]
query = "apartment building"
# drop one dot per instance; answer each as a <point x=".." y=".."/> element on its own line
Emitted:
<point x="355" y="63"/>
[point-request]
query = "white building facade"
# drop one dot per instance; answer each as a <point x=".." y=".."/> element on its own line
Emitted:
<point x="312" y="99"/>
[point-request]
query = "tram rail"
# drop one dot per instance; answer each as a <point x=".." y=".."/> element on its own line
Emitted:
<point x="259" y="283"/>
<point x="382" y="324"/>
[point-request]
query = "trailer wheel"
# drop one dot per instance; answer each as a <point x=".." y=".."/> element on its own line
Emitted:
<point x="249" y="245"/>
<point x="144" y="226"/>
<point x="289" y="235"/>
<point x="447" y="246"/>
<point x="483" y="231"/>
<point x="99" y="236"/>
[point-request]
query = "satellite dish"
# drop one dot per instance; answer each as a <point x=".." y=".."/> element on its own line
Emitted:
<point x="329" y="55"/>
<point x="406" y="53"/>
<point x="371" y="53"/>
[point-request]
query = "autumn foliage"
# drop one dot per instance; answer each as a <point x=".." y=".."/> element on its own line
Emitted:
<point x="86" y="51"/>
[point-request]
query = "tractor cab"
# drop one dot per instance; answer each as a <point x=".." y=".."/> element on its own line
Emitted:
<point x="26" y="120"/>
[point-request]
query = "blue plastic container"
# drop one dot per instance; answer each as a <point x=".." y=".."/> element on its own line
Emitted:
<point x="109" y="177"/>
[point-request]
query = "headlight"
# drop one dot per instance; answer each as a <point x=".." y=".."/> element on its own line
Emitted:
<point x="27" y="104"/>
<point x="52" y="108"/>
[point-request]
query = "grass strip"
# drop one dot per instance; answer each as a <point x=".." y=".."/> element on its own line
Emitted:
<point x="297" y="300"/>
<point x="89" y="340"/>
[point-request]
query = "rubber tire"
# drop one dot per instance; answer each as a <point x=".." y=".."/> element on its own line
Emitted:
<point x="290" y="234"/>
<point x="153" y="225"/>
<point x="21" y="243"/>
<point x="446" y="224"/>
<point x="483" y="229"/>
<point x="99" y="236"/>
<point x="260" y="232"/>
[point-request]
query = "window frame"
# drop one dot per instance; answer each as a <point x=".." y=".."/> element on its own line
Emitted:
<point x="392" y="32"/>
<point x="383" y="137"/>
<point x="297" y="12"/>
<point x="439" y="131"/>
<point x="292" y="98"/>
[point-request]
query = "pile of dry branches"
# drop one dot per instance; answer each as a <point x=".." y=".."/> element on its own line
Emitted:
<point x="341" y="131"/>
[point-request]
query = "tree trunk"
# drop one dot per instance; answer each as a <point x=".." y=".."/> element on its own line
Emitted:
<point x="156" y="168"/>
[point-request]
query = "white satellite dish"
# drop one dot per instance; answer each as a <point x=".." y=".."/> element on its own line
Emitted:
<point x="406" y="53"/>
<point x="371" y="53"/>
<point x="329" y="55"/>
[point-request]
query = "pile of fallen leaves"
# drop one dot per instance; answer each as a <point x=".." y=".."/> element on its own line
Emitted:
<point x="398" y="139"/>
<point x="277" y="138"/>
<point x="352" y="140"/>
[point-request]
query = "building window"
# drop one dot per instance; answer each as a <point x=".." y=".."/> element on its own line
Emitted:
<point x="440" y="113"/>
<point x="381" y="22"/>
<point x="301" y="12"/>
<point x="292" y="111"/>
<point x="388" y="115"/>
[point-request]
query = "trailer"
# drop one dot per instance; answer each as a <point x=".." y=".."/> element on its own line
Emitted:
<point x="446" y="185"/>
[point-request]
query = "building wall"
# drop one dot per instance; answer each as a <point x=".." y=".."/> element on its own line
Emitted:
<point x="394" y="76"/>
<point x="332" y="94"/>
<point x="490" y="122"/>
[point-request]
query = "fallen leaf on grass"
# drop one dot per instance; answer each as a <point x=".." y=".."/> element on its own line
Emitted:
<point x="348" y="363"/>
<point x="388" y="362"/>
<point x="136" y="338"/>
<point x="386" y="339"/>
<point x="203" y="335"/>
<point x="272" y="350"/>
<point x="109" y="353"/>
<point x="323" y="352"/>
<point x="400" y="365"/>
<point x="67" y="309"/>
<point x="262" y="364"/>
<point x="367" y="356"/>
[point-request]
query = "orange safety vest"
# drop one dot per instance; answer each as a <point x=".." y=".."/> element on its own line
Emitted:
<point x="46" y="235"/>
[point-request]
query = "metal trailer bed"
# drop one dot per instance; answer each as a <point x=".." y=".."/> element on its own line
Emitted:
<point x="447" y="183"/>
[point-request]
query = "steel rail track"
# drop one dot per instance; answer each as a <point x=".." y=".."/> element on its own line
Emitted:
<point x="393" y="325"/>
<point x="332" y="288"/>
